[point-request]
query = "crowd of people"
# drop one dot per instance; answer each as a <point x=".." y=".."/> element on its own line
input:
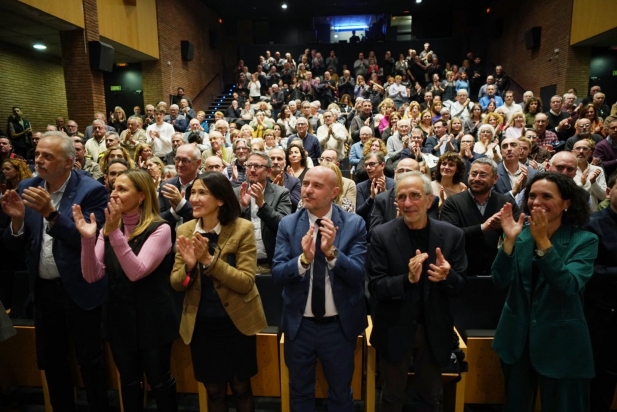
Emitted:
<point x="449" y="178"/>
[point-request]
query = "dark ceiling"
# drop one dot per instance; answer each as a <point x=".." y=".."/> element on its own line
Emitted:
<point x="306" y="9"/>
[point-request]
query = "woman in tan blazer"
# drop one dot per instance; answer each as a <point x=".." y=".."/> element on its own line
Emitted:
<point x="216" y="265"/>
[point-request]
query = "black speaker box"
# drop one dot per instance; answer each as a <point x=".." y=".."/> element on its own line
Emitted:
<point x="187" y="50"/>
<point x="212" y="36"/>
<point x="532" y="38"/>
<point x="101" y="56"/>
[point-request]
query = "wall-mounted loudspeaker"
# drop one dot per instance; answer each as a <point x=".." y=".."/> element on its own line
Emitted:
<point x="101" y="56"/>
<point x="187" y="50"/>
<point x="532" y="38"/>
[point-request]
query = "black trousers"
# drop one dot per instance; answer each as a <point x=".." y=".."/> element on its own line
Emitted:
<point x="59" y="321"/>
<point x="154" y="362"/>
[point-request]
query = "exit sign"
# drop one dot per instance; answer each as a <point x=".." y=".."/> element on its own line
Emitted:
<point x="116" y="88"/>
<point x="614" y="72"/>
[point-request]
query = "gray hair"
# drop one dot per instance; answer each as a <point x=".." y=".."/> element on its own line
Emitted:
<point x="487" y="161"/>
<point x="66" y="143"/>
<point x="195" y="152"/>
<point x="489" y="127"/>
<point x="98" y="121"/>
<point x="112" y="133"/>
<point x="241" y="140"/>
<point x="370" y="131"/>
<point x="170" y="169"/>
<point x="426" y="183"/>
<point x="174" y="106"/>
<point x="380" y="156"/>
<point x="220" y="123"/>
<point x="264" y="156"/>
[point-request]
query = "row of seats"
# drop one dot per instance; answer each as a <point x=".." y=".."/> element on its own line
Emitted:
<point x="476" y="314"/>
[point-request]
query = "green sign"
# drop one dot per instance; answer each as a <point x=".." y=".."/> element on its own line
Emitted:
<point x="614" y="72"/>
<point x="116" y="88"/>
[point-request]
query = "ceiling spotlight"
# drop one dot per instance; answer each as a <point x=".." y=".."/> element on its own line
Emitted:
<point x="39" y="46"/>
<point x="418" y="1"/>
<point x="283" y="6"/>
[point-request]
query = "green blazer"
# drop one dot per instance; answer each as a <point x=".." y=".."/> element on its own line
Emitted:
<point x="552" y="317"/>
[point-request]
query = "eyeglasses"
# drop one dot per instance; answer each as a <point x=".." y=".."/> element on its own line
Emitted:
<point x="371" y="164"/>
<point x="255" y="166"/>
<point x="301" y="124"/>
<point x="184" y="160"/>
<point x="584" y="125"/>
<point x="415" y="196"/>
<point x="325" y="159"/>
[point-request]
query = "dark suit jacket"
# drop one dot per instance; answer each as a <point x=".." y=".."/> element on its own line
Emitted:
<point x="186" y="212"/>
<point x="503" y="185"/>
<point x="397" y="299"/>
<point x="385" y="211"/>
<point x="276" y="206"/>
<point x="292" y="184"/>
<point x="346" y="278"/>
<point x="92" y="197"/>
<point x="431" y="143"/>
<point x="364" y="203"/>
<point x="481" y="248"/>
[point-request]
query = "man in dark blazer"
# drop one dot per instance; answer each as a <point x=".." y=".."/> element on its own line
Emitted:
<point x="66" y="307"/>
<point x="319" y="260"/>
<point x="415" y="265"/>
<point x="384" y="208"/>
<point x="174" y="193"/>
<point x="278" y="176"/>
<point x="477" y="212"/>
<point x="376" y="183"/>
<point x="263" y="203"/>
<point x="510" y="152"/>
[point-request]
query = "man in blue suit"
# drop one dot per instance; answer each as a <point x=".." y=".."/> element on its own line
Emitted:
<point x="65" y="306"/>
<point x="319" y="259"/>
<point x="513" y="176"/>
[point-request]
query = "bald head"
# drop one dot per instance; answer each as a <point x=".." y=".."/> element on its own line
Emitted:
<point x="564" y="163"/>
<point x="404" y="166"/>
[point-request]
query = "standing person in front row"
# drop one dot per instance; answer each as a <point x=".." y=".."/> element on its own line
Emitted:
<point x="416" y="265"/>
<point x="319" y="259"/>
<point x="542" y="336"/>
<point x="66" y="307"/>
<point x="216" y="264"/>
<point x="133" y="251"/>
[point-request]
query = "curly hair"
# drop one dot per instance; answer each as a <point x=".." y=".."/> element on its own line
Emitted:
<point x="531" y="100"/>
<point x="104" y="159"/>
<point x="22" y="170"/>
<point x="454" y="158"/>
<point x="495" y="116"/>
<point x="303" y="154"/>
<point x="578" y="212"/>
<point x="367" y="146"/>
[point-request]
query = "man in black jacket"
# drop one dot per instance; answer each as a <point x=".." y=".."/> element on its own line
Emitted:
<point x="478" y="212"/>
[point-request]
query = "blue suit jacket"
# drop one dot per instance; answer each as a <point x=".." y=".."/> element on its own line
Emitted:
<point x="503" y="185"/>
<point x="346" y="278"/>
<point x="92" y="197"/>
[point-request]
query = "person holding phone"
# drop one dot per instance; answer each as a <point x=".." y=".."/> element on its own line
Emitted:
<point x="215" y="264"/>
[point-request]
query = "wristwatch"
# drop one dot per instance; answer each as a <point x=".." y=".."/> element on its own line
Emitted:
<point x="543" y="252"/>
<point x="303" y="261"/>
<point x="52" y="216"/>
<point x="334" y="254"/>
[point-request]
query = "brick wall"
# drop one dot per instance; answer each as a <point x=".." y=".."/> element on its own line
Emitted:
<point x="532" y="68"/>
<point x="35" y="84"/>
<point x="193" y="21"/>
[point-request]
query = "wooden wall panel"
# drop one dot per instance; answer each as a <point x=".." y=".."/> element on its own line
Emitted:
<point x="67" y="10"/>
<point x="131" y="23"/>
<point x="590" y="18"/>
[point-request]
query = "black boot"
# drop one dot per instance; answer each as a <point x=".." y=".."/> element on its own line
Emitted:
<point x="165" y="396"/>
<point x="133" y="397"/>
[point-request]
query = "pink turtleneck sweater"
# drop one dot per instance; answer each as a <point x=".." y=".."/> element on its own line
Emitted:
<point x="152" y="253"/>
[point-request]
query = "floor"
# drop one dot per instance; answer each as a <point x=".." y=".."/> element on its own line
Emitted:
<point x="31" y="400"/>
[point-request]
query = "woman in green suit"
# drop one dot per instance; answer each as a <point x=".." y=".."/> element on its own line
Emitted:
<point x="542" y="337"/>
